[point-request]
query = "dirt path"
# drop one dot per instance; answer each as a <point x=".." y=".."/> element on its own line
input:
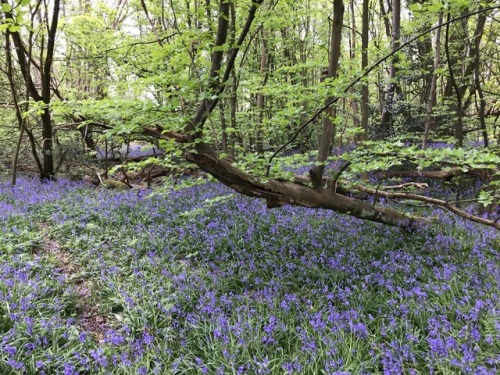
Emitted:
<point x="89" y="319"/>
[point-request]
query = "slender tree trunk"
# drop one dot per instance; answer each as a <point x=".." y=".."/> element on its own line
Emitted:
<point x="223" y="126"/>
<point x="468" y="81"/>
<point x="47" y="131"/>
<point x="304" y="139"/>
<point x="328" y="133"/>
<point x="151" y="23"/>
<point x="233" y="98"/>
<point x="498" y="136"/>
<point x="365" y="110"/>
<point x="426" y="55"/>
<point x="16" y="155"/>
<point x="432" y="90"/>
<point x="45" y="68"/>
<point x="86" y="134"/>
<point x="353" y="36"/>
<point x="386" y="121"/>
<point x="19" y="111"/>
<point x="260" y="96"/>
<point x="458" y="125"/>
<point x="383" y="14"/>
<point x="477" y="76"/>
<point x="228" y="140"/>
<point x="20" y="119"/>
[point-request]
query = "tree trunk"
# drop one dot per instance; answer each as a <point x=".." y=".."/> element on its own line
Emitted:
<point x="25" y="70"/>
<point x="223" y="126"/>
<point x="233" y="98"/>
<point x="386" y="121"/>
<point x="458" y="125"/>
<point x="233" y="103"/>
<point x="432" y="90"/>
<point x="383" y="14"/>
<point x="45" y="66"/>
<point x="352" y="55"/>
<point x="47" y="145"/>
<point x="260" y="102"/>
<point x="477" y="76"/>
<point x="280" y="193"/>
<point x="365" y="110"/>
<point x="328" y="133"/>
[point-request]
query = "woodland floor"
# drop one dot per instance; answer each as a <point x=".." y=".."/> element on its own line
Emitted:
<point x="203" y="280"/>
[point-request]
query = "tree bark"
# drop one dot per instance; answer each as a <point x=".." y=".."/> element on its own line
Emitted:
<point x="328" y="132"/>
<point x="47" y="145"/>
<point x="260" y="102"/>
<point x="19" y="111"/>
<point x="386" y="121"/>
<point x="233" y="97"/>
<point x="477" y="77"/>
<point x="20" y="119"/>
<point x="352" y="55"/>
<point x="383" y="14"/>
<point x="223" y="126"/>
<point x="365" y="110"/>
<point x="45" y="68"/>
<point x="432" y="90"/>
<point x="279" y="193"/>
<point x="458" y="125"/>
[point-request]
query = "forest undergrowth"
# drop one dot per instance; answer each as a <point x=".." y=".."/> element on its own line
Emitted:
<point x="202" y="280"/>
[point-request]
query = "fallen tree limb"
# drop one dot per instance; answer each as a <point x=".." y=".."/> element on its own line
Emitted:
<point x="343" y="190"/>
<point x="418" y="185"/>
<point x="279" y="193"/>
<point x="159" y="132"/>
<point x="434" y="201"/>
<point x="442" y="174"/>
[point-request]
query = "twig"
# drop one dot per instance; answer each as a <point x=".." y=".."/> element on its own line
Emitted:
<point x="337" y="175"/>
<point x="418" y="185"/>
<point x="433" y="201"/>
<point x="99" y="177"/>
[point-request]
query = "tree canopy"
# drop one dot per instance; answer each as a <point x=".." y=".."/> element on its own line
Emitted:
<point x="341" y="105"/>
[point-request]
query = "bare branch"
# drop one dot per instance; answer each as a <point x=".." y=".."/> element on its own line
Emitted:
<point x="434" y="201"/>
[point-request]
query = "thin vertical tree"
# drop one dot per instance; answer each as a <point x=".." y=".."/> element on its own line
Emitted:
<point x="328" y="132"/>
<point x="365" y="110"/>
<point x="432" y="91"/>
<point x="260" y="102"/>
<point x="458" y="124"/>
<point x="40" y="92"/>
<point x="392" y="86"/>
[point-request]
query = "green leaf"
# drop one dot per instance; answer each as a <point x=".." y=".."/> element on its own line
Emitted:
<point x="6" y="7"/>
<point x="435" y="7"/>
<point x="14" y="28"/>
<point x="485" y="198"/>
<point x="416" y="7"/>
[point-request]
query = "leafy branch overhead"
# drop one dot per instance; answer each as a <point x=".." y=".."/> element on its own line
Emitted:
<point x="333" y="105"/>
<point x="279" y="193"/>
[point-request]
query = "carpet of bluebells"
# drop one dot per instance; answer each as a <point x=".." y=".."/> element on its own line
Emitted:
<point x="202" y="280"/>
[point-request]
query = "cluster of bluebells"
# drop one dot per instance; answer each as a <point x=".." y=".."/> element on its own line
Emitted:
<point x="202" y="280"/>
<point x="35" y="302"/>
